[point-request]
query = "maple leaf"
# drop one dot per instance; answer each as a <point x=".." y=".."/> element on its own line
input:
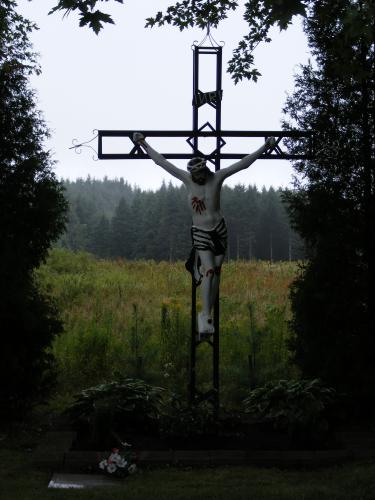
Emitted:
<point x="95" y="20"/>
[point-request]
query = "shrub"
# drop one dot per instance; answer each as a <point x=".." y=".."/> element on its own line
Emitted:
<point x="126" y="403"/>
<point x="302" y="408"/>
<point x="181" y="420"/>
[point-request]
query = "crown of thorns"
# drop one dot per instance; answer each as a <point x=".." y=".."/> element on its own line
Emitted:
<point x="196" y="164"/>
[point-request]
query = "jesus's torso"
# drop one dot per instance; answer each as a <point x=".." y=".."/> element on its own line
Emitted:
<point x="204" y="203"/>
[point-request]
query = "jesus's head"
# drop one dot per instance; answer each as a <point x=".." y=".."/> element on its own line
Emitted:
<point x="198" y="170"/>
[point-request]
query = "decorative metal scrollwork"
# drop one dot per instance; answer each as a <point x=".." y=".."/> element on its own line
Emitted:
<point x="86" y="144"/>
<point x="208" y="37"/>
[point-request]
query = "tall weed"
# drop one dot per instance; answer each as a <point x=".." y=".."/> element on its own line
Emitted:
<point x="132" y="318"/>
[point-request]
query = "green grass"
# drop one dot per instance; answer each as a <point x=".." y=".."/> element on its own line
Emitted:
<point x="20" y="481"/>
<point x="133" y="318"/>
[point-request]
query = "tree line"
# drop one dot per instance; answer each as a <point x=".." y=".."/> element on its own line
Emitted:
<point x="111" y="219"/>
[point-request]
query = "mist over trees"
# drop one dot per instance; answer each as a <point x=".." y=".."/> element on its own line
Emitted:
<point x="111" y="219"/>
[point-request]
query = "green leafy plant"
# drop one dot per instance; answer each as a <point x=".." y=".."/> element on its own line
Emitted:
<point x="302" y="408"/>
<point x="126" y="403"/>
<point x="181" y="420"/>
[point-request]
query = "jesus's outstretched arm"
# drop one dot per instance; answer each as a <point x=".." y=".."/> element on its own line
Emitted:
<point x="246" y="161"/>
<point x="159" y="159"/>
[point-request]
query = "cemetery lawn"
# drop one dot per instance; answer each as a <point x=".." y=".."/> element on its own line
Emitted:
<point x="20" y="480"/>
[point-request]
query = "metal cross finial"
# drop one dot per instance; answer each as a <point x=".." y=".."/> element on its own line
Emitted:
<point x="208" y="37"/>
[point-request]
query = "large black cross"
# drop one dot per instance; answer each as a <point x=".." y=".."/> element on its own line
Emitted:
<point x="213" y="99"/>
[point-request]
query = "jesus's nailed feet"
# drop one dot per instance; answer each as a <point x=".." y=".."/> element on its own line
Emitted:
<point x="205" y="326"/>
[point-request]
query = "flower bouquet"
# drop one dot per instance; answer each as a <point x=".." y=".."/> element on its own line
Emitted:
<point x="117" y="464"/>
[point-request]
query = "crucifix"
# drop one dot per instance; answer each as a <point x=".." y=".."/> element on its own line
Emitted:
<point x="208" y="229"/>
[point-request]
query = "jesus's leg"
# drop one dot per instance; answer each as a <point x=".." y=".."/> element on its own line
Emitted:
<point x="205" y="322"/>
<point x="218" y="260"/>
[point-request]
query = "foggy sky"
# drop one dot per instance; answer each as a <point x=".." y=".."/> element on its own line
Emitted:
<point x="129" y="77"/>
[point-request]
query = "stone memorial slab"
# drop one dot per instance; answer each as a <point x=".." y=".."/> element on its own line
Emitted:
<point x="81" y="481"/>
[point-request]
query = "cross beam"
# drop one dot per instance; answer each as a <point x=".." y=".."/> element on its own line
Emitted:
<point x="136" y="153"/>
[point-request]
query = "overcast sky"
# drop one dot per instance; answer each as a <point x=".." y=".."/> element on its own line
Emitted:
<point x="133" y="78"/>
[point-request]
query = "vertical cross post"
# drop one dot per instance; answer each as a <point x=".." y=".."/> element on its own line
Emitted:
<point x="213" y="99"/>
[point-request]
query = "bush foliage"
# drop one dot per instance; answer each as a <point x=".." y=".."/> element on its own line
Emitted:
<point x="125" y="403"/>
<point x="299" y="407"/>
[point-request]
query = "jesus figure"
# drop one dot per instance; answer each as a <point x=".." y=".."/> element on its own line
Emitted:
<point x="208" y="231"/>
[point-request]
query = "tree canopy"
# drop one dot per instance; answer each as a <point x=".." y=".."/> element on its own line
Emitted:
<point x="355" y="17"/>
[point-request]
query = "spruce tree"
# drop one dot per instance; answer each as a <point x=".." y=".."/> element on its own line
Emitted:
<point x="332" y="300"/>
<point x="121" y="241"/>
<point x="101" y="243"/>
<point x="32" y="209"/>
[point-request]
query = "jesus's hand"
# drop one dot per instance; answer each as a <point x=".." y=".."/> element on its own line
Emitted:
<point x="138" y="137"/>
<point x="270" y="143"/>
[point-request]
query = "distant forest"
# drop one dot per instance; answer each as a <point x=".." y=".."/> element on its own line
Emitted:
<point x="111" y="219"/>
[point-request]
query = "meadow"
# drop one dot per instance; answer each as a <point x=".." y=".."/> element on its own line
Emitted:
<point x="133" y="318"/>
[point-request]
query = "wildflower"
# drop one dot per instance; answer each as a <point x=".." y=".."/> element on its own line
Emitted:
<point x="103" y="464"/>
<point x="132" y="469"/>
<point x="111" y="468"/>
<point x="116" y="464"/>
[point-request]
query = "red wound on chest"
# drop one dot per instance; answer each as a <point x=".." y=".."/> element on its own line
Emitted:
<point x="198" y="205"/>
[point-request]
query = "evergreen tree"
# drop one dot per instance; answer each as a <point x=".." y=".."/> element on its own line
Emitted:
<point x="173" y="225"/>
<point x="251" y="207"/>
<point x="163" y="239"/>
<point x="142" y="227"/>
<point x="75" y="237"/>
<point x="98" y="196"/>
<point x="101" y="243"/>
<point x="332" y="300"/>
<point x="32" y="210"/>
<point x="235" y="215"/>
<point x="158" y="223"/>
<point x="121" y="241"/>
<point x="272" y="236"/>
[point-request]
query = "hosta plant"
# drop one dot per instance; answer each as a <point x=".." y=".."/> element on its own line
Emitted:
<point x="302" y="408"/>
<point x="123" y="404"/>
